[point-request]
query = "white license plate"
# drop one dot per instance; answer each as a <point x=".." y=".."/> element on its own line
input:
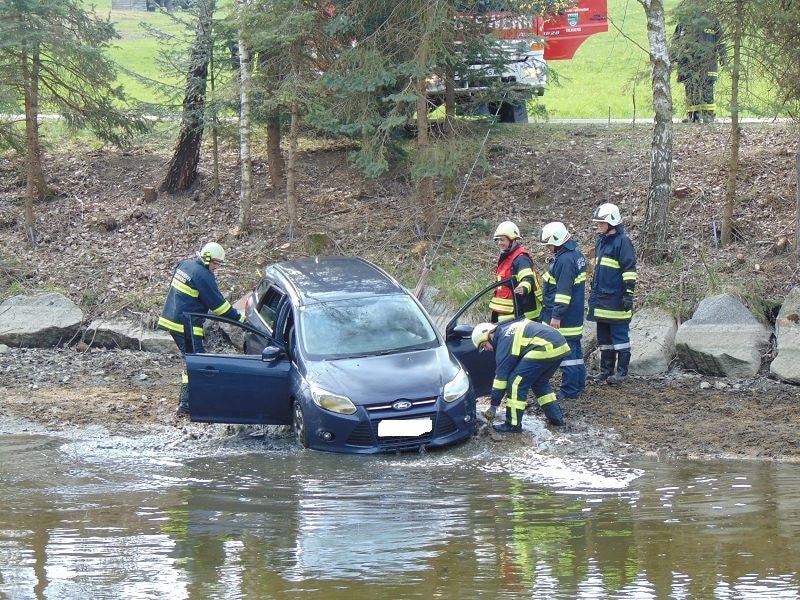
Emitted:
<point x="404" y="427"/>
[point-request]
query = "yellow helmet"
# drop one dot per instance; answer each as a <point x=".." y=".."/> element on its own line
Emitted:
<point x="212" y="251"/>
<point x="481" y="333"/>
<point x="507" y="229"/>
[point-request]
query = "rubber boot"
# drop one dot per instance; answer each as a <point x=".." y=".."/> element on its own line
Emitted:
<point x="552" y="410"/>
<point x="623" y="360"/>
<point x="183" y="403"/>
<point x="607" y="360"/>
<point x="506" y="426"/>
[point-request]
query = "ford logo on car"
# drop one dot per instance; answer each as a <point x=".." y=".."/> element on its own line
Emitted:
<point x="401" y="405"/>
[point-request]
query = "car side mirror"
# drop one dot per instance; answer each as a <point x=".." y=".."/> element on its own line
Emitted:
<point x="462" y="331"/>
<point x="271" y="353"/>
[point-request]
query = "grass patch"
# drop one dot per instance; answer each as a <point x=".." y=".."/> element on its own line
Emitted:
<point x="609" y="77"/>
<point x="137" y="52"/>
<point x="610" y="73"/>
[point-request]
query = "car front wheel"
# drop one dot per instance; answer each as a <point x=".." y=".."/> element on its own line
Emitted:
<point x="299" y="425"/>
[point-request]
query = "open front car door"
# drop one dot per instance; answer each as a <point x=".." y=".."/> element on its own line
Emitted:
<point x="226" y="386"/>
<point x="458" y="333"/>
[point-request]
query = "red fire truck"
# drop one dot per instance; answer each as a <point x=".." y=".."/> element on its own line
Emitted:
<point x="526" y="43"/>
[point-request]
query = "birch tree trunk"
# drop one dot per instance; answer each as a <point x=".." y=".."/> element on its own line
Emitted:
<point x="654" y="240"/>
<point x="35" y="188"/>
<point x="245" y="158"/>
<point x="291" y="170"/>
<point x="449" y="101"/>
<point x="797" y="205"/>
<point x="733" y="162"/>
<point x="214" y="128"/>
<point x="425" y="192"/>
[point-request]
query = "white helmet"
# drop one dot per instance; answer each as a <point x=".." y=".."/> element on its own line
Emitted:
<point x="554" y="233"/>
<point x="212" y="251"/>
<point x="481" y="333"/>
<point x="507" y="229"/>
<point x="607" y="213"/>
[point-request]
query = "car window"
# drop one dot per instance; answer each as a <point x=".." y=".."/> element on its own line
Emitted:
<point x="268" y="305"/>
<point x="365" y="326"/>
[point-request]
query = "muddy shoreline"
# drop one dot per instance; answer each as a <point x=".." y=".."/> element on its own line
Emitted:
<point x="128" y="392"/>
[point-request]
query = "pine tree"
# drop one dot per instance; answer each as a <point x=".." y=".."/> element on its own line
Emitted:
<point x="182" y="170"/>
<point x="52" y="57"/>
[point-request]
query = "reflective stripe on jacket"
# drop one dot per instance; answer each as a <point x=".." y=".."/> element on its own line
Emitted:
<point x="614" y="277"/>
<point x="522" y="340"/>
<point x="193" y="288"/>
<point x="517" y="265"/>
<point x="564" y="287"/>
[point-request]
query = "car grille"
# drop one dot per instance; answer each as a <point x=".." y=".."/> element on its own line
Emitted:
<point x="445" y="426"/>
<point x="365" y="434"/>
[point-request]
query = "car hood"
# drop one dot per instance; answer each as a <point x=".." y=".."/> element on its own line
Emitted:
<point x="378" y="379"/>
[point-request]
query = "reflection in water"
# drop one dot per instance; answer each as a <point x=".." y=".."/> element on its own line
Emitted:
<point x="87" y="520"/>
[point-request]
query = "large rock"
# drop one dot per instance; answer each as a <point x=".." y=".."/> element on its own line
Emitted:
<point x="786" y="365"/>
<point x="41" y="321"/>
<point x="722" y="339"/>
<point x="128" y="335"/>
<point x="652" y="341"/>
<point x="589" y="339"/>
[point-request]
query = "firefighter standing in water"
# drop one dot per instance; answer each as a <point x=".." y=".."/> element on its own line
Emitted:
<point x="515" y="263"/>
<point x="527" y="354"/>
<point x="611" y="296"/>
<point x="564" y="286"/>
<point x="193" y="289"/>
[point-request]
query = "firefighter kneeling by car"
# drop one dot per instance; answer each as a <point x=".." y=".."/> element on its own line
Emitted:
<point x="527" y="355"/>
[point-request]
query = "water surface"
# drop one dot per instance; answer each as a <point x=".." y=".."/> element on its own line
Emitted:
<point x="97" y="516"/>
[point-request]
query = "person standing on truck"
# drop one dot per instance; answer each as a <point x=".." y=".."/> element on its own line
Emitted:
<point x="611" y="296"/>
<point x="515" y="263"/>
<point x="193" y="289"/>
<point x="564" y="287"/>
<point x="697" y="48"/>
<point x="527" y="354"/>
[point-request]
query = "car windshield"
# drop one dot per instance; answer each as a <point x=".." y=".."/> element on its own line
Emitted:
<point x="363" y="327"/>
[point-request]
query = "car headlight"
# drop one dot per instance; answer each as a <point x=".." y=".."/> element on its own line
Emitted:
<point x="456" y="388"/>
<point x="332" y="402"/>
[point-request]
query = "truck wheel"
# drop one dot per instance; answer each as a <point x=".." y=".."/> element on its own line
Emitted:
<point x="513" y="113"/>
<point x="299" y="425"/>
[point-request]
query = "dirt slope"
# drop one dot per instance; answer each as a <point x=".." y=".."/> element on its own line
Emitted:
<point x="103" y="246"/>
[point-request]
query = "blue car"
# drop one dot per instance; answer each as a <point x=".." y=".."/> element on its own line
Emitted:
<point x="340" y="350"/>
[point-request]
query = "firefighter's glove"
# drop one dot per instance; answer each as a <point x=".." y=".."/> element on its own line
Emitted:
<point x="242" y="318"/>
<point x="490" y="413"/>
<point x="627" y="303"/>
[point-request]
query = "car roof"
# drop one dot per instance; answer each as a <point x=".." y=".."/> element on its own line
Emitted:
<point x="325" y="278"/>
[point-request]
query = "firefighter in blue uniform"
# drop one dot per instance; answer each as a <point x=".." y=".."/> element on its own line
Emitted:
<point x="611" y="296"/>
<point x="564" y="287"/>
<point x="194" y="288"/>
<point x="698" y="49"/>
<point x="527" y="354"/>
<point x="514" y="263"/>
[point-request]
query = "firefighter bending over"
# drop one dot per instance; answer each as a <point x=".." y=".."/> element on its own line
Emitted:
<point x="515" y="263"/>
<point x="194" y="288"/>
<point x="527" y="355"/>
